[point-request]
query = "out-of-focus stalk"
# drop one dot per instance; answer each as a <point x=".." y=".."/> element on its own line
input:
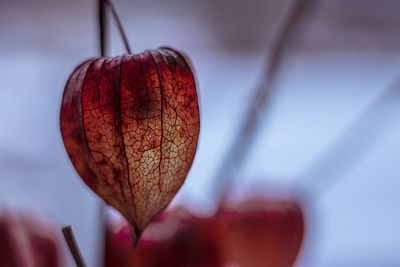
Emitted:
<point x="291" y="32"/>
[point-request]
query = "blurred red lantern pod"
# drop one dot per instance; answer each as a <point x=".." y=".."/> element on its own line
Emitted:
<point x="176" y="239"/>
<point x="262" y="232"/>
<point x="28" y="241"/>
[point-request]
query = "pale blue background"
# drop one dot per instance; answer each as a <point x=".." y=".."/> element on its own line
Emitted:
<point x="349" y="56"/>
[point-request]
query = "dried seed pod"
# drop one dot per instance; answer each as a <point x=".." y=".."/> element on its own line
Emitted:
<point x="27" y="239"/>
<point x="263" y="232"/>
<point x="130" y="125"/>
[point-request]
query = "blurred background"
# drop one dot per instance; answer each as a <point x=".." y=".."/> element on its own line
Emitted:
<point x="329" y="131"/>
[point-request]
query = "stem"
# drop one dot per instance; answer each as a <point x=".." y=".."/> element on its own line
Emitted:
<point x="102" y="27"/>
<point x="119" y="26"/>
<point x="102" y="17"/>
<point x="73" y="246"/>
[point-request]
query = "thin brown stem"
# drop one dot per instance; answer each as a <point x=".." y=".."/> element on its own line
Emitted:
<point x="102" y="27"/>
<point x="103" y="34"/>
<point x="291" y="32"/>
<point x="119" y="26"/>
<point x="73" y="246"/>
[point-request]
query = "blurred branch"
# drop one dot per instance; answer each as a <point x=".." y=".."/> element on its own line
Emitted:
<point x="363" y="134"/>
<point x="291" y="32"/>
<point x="73" y="246"/>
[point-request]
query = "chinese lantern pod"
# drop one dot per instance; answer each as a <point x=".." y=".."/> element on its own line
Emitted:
<point x="263" y="233"/>
<point x="177" y="238"/>
<point x="130" y="125"/>
<point x="28" y="240"/>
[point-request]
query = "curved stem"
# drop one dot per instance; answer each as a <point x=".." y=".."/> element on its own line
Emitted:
<point x="119" y="26"/>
